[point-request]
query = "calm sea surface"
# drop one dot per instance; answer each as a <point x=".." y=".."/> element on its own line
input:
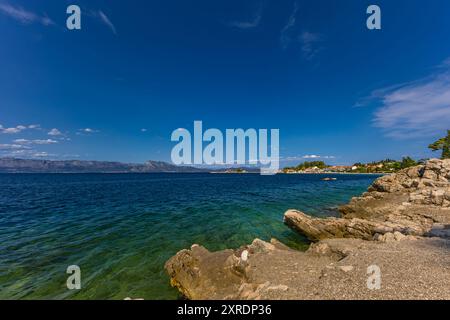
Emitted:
<point x="121" y="228"/>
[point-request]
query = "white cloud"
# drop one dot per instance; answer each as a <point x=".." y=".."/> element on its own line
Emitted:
<point x="144" y="130"/>
<point x="17" y="129"/>
<point x="314" y="156"/>
<point x="311" y="156"/>
<point x="41" y="154"/>
<point x="88" y="130"/>
<point x="24" y="16"/>
<point x="308" y="156"/>
<point x="38" y="142"/>
<point x="105" y="19"/>
<point x="21" y="141"/>
<point x="416" y="109"/>
<point x="47" y="141"/>
<point x="13" y="130"/>
<point x="54" y="132"/>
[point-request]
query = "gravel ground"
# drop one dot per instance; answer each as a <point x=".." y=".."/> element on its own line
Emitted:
<point x="409" y="269"/>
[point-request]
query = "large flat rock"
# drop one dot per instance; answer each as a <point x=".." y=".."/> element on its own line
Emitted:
<point x="331" y="269"/>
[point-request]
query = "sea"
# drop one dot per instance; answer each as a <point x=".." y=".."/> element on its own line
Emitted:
<point x="120" y="229"/>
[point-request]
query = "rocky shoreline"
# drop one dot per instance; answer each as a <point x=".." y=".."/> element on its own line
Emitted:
<point x="400" y="228"/>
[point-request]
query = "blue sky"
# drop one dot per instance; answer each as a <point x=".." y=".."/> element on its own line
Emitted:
<point x="138" y="70"/>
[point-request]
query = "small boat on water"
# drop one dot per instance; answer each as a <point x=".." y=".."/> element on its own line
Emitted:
<point x="329" y="179"/>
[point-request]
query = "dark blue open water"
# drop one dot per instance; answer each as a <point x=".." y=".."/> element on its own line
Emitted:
<point x="121" y="228"/>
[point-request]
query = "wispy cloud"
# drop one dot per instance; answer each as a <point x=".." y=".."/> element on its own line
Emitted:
<point x="310" y="44"/>
<point x="286" y="38"/>
<point x="251" y="23"/>
<point x="416" y="109"/>
<point x="24" y="153"/>
<point x="105" y="19"/>
<point x="12" y="147"/>
<point x="41" y="154"/>
<point x="24" y="16"/>
<point x="291" y="35"/>
<point x="100" y="16"/>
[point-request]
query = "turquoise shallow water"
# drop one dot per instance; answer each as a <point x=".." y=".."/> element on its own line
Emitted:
<point x="121" y="228"/>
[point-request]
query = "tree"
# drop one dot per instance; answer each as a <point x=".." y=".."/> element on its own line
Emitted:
<point x="442" y="144"/>
<point x="408" y="162"/>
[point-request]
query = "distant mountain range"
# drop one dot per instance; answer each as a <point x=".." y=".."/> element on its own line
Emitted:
<point x="13" y="165"/>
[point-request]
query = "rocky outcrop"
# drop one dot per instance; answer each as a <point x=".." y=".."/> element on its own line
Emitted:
<point x="330" y="269"/>
<point x="383" y="228"/>
<point x="318" y="229"/>
<point x="408" y="202"/>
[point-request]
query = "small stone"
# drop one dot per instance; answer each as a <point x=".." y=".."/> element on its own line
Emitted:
<point x="280" y="287"/>
<point x="346" y="268"/>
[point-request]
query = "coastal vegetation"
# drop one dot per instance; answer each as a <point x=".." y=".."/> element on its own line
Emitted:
<point x="307" y="165"/>
<point x="383" y="166"/>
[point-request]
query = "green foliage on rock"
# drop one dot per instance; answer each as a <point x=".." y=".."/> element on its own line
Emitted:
<point x="442" y="144"/>
<point x="408" y="162"/>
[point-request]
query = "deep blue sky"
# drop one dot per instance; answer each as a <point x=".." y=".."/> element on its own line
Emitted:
<point x="310" y="68"/>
